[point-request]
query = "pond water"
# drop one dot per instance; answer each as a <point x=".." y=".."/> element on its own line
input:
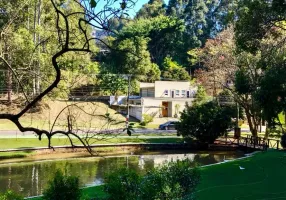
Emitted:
<point x="30" y="178"/>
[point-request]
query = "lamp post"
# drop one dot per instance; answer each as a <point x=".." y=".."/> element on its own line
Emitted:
<point x="128" y="94"/>
<point x="237" y="130"/>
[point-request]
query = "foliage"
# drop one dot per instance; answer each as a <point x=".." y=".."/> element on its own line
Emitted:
<point x="122" y="184"/>
<point x="203" y="19"/>
<point x="271" y="95"/>
<point x="205" y="122"/>
<point x="177" y="108"/>
<point x="129" y="129"/>
<point x="151" y="9"/>
<point x="257" y="19"/>
<point x="62" y="187"/>
<point x="132" y="57"/>
<point x="113" y="84"/>
<point x="30" y="40"/>
<point x="10" y="195"/>
<point x="173" y="71"/>
<point x="174" y="180"/>
<point x="215" y="63"/>
<point x="147" y="119"/>
<point x="163" y="34"/>
<point x="260" y="31"/>
<point x="201" y="95"/>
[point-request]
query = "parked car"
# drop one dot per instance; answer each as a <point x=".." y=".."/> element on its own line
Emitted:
<point x="170" y="125"/>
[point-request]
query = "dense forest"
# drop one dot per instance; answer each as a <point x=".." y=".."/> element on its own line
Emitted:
<point x="156" y="44"/>
<point x="230" y="47"/>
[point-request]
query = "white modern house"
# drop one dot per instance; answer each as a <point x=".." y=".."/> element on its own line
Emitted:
<point x="161" y="99"/>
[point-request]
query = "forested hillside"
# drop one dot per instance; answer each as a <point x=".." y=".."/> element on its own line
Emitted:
<point x="152" y="45"/>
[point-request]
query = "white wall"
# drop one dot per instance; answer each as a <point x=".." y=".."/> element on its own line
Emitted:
<point x="150" y="102"/>
<point x="136" y="111"/>
<point x="161" y="86"/>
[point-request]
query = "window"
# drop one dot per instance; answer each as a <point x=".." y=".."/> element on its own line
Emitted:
<point x="166" y="92"/>
<point x="177" y="92"/>
<point x="183" y="93"/>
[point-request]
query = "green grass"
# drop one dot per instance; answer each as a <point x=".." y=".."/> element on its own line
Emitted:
<point x="18" y="154"/>
<point x="8" y="125"/>
<point x="90" y="193"/>
<point x="11" y="143"/>
<point x="96" y="191"/>
<point x="263" y="178"/>
<point x="137" y="125"/>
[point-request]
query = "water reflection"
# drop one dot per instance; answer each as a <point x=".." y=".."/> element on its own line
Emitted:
<point x="30" y="179"/>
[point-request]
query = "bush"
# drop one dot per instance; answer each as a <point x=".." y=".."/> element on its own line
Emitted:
<point x="62" y="187"/>
<point x="283" y="140"/>
<point x="147" y="119"/>
<point x="205" y="122"/>
<point x="122" y="184"/>
<point x="175" y="180"/>
<point x="10" y="195"/>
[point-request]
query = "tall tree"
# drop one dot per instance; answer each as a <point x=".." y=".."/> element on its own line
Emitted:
<point x="164" y="36"/>
<point x="173" y="71"/>
<point x="260" y="30"/>
<point x="130" y="56"/>
<point x="153" y="8"/>
<point x="176" y="7"/>
<point x="218" y="62"/>
<point x="256" y="20"/>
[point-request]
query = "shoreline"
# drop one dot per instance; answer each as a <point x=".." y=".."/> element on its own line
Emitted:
<point x="223" y="162"/>
<point x="101" y="150"/>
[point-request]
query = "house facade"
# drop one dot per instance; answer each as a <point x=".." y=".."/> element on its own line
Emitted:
<point x="162" y="99"/>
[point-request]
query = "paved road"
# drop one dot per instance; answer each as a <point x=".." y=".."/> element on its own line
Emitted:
<point x="29" y="134"/>
<point x="18" y="134"/>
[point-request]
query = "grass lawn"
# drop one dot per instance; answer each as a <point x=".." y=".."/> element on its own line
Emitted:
<point x="9" y="143"/>
<point x="262" y="178"/>
<point x="90" y="192"/>
<point x="137" y="125"/>
<point x="18" y="154"/>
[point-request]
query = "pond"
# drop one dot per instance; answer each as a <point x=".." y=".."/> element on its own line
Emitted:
<point x="30" y="178"/>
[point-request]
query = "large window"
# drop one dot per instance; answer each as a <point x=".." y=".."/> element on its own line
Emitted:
<point x="183" y="93"/>
<point x="166" y="93"/>
<point x="177" y="92"/>
<point x="147" y="92"/>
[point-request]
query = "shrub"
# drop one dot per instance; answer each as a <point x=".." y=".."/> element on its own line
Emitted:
<point x="205" y="122"/>
<point x="283" y="140"/>
<point x="175" y="180"/>
<point x="62" y="187"/>
<point x="122" y="184"/>
<point x="10" y="195"/>
<point x="147" y="119"/>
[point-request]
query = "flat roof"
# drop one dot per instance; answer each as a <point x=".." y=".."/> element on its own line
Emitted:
<point x="168" y="98"/>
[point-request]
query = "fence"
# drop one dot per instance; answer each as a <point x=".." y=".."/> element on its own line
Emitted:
<point x="252" y="142"/>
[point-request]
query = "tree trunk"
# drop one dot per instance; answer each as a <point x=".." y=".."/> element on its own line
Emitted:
<point x="266" y="132"/>
<point x="35" y="41"/>
<point x="251" y="123"/>
<point x="8" y="75"/>
<point x="9" y="86"/>
<point x="39" y="52"/>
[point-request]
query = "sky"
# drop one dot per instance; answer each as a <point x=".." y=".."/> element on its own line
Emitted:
<point x="133" y="11"/>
